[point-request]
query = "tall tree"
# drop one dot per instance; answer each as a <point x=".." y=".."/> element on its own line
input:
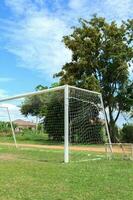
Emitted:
<point x="101" y="56"/>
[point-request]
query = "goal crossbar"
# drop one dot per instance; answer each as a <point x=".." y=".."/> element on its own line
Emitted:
<point x="44" y="91"/>
<point x="32" y="93"/>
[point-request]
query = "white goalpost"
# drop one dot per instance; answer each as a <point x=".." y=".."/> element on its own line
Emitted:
<point x="73" y="119"/>
<point x="66" y="125"/>
<point x="11" y="124"/>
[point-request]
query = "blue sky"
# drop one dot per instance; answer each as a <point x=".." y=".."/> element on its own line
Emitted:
<point x="31" y="31"/>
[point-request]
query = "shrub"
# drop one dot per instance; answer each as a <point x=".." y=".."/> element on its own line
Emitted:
<point x="127" y="133"/>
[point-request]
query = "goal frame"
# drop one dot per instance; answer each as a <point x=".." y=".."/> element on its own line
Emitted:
<point x="66" y="112"/>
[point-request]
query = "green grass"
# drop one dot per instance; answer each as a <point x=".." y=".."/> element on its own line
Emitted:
<point x="31" y="137"/>
<point x="25" y="174"/>
<point x="28" y="137"/>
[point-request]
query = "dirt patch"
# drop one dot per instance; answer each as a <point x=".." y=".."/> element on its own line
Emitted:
<point x="56" y="147"/>
<point x="100" y="149"/>
<point x="6" y="156"/>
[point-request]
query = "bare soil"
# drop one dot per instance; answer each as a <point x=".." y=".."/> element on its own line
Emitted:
<point x="100" y="149"/>
<point x="75" y="148"/>
<point x="7" y="156"/>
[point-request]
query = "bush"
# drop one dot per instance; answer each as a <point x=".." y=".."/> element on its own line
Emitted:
<point x="54" y="118"/>
<point x="5" y="128"/>
<point x="127" y="133"/>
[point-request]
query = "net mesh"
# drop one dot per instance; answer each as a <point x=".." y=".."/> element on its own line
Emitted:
<point x="120" y="151"/>
<point x="86" y="124"/>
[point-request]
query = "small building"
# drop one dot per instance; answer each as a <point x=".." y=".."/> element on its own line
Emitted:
<point x="22" y="124"/>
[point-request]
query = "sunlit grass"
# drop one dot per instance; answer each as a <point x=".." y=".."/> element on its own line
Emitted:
<point x="27" y="174"/>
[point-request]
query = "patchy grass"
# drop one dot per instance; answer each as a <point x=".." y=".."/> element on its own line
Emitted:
<point x="40" y="138"/>
<point x="28" y="176"/>
<point x="28" y="137"/>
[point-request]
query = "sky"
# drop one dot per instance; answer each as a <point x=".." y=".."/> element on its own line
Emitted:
<point x="31" y="31"/>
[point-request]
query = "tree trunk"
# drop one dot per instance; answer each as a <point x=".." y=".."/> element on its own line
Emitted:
<point x="112" y="127"/>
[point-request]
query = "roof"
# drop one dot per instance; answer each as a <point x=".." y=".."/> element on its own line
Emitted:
<point x="21" y="122"/>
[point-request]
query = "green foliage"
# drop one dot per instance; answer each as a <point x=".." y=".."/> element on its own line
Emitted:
<point x="50" y="109"/>
<point x="5" y="128"/>
<point x="41" y="87"/>
<point x="101" y="56"/>
<point x="54" y="119"/>
<point x="127" y="133"/>
<point x="34" y="105"/>
<point x="37" y="105"/>
<point x="130" y="97"/>
<point x="87" y="116"/>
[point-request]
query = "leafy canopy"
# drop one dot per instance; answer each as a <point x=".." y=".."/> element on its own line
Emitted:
<point x="101" y="56"/>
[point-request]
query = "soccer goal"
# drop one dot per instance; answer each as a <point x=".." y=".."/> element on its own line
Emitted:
<point x="64" y="123"/>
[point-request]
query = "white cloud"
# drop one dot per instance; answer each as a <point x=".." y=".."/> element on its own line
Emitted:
<point x="36" y="40"/>
<point x="19" y="6"/>
<point x="35" y="34"/>
<point x="131" y="71"/>
<point x="10" y="106"/>
<point x="119" y="8"/>
<point x="14" y="111"/>
<point x="77" y="4"/>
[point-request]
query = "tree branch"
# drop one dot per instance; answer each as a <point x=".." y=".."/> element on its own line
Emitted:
<point x="106" y="117"/>
<point x="117" y="115"/>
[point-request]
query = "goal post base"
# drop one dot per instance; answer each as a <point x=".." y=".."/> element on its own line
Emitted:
<point x="119" y="151"/>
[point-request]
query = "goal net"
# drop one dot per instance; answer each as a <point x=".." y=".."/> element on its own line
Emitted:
<point x="120" y="151"/>
<point x="88" y="130"/>
<point x="64" y="123"/>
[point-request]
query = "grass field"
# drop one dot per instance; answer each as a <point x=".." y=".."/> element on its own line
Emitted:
<point x="42" y="140"/>
<point x="40" y="174"/>
<point x="25" y="174"/>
